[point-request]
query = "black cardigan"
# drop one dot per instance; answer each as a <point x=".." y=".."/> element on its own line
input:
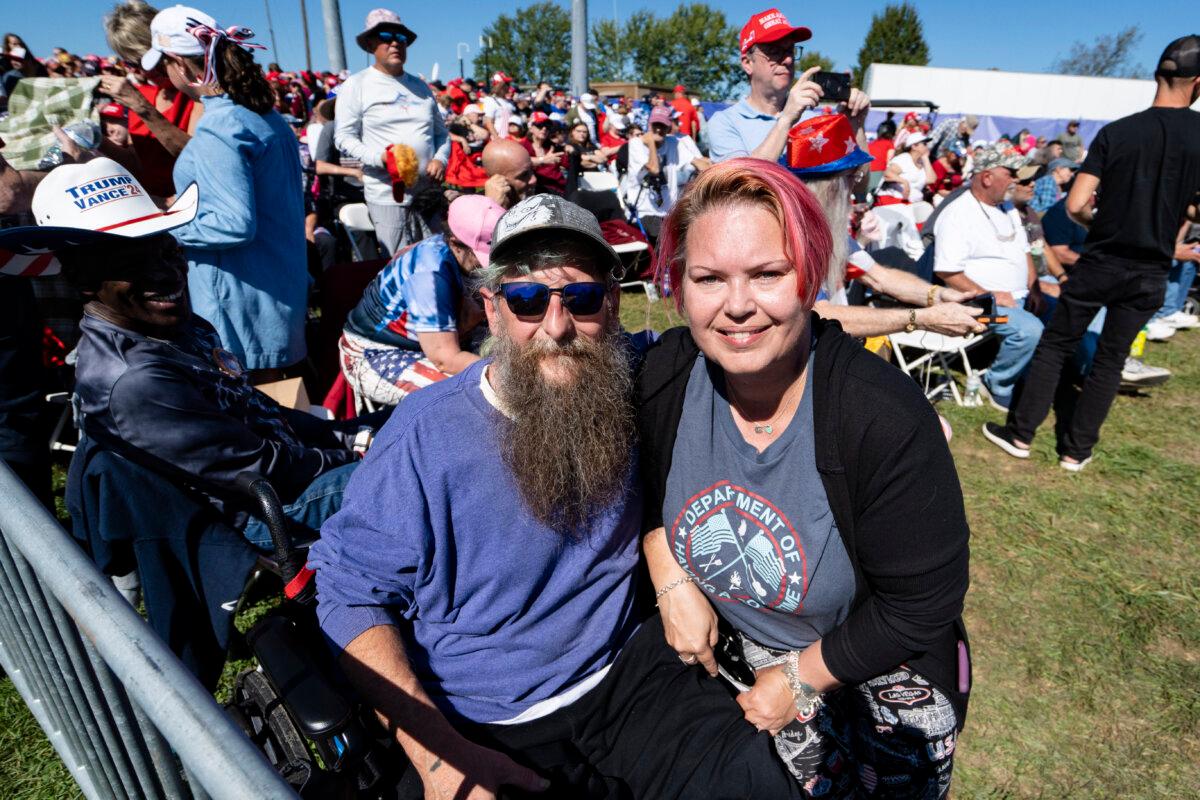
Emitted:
<point x="893" y="491"/>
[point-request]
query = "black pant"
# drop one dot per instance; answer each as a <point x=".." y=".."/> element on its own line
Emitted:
<point x="1132" y="291"/>
<point x="652" y="728"/>
<point x="23" y="437"/>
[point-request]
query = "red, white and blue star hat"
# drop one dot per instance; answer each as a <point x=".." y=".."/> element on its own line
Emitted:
<point x="82" y="204"/>
<point x="821" y="146"/>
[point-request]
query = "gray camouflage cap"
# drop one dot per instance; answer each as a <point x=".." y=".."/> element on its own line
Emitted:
<point x="544" y="212"/>
<point x="994" y="156"/>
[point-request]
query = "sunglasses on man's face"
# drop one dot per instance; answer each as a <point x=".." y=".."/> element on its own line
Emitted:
<point x="776" y="53"/>
<point x="530" y="299"/>
<point x="388" y="37"/>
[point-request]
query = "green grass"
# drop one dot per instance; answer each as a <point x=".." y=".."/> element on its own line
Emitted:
<point x="1084" y="609"/>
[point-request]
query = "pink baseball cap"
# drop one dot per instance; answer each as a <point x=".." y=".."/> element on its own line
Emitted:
<point x="472" y="219"/>
<point x="661" y="115"/>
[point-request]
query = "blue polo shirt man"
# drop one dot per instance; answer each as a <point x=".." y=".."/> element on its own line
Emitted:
<point x="758" y="125"/>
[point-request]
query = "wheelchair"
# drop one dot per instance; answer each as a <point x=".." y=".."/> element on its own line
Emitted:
<point x="295" y="706"/>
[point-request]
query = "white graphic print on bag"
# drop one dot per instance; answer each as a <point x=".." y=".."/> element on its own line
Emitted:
<point x="740" y="547"/>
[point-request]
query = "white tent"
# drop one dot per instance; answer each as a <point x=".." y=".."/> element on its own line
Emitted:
<point x="1027" y="95"/>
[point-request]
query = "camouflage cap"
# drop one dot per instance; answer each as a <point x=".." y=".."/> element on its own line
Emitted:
<point x="994" y="156"/>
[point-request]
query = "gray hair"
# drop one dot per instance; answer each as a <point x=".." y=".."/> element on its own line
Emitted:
<point x="540" y="250"/>
<point x="833" y="192"/>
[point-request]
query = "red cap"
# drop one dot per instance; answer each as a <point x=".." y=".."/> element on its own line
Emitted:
<point x="770" y="26"/>
<point x="500" y="77"/>
<point x="679" y="87"/>
<point x="114" y="111"/>
<point x="539" y="118"/>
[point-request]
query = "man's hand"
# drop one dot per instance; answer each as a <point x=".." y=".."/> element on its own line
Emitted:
<point x="690" y="625"/>
<point x="498" y="191"/>
<point x="436" y="169"/>
<point x="950" y="319"/>
<point x="803" y="95"/>
<point x="475" y="773"/>
<point x="121" y="90"/>
<point x="856" y="108"/>
<point x="1005" y="299"/>
<point x="648" y="140"/>
<point x="769" y="705"/>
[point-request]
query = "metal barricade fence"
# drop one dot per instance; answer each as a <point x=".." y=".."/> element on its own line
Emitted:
<point x="126" y="717"/>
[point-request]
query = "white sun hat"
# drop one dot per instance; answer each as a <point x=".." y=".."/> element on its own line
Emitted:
<point x="89" y="203"/>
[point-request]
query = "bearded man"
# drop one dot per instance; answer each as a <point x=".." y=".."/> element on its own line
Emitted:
<point x="481" y="579"/>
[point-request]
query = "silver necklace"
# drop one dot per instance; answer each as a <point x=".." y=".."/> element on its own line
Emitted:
<point x="1004" y="238"/>
<point x="767" y="427"/>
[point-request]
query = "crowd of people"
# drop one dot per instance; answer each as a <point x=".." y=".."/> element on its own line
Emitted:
<point x="784" y="497"/>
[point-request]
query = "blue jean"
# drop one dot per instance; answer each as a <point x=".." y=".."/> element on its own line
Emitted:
<point x="1179" y="282"/>
<point x="1086" y="352"/>
<point x="1019" y="338"/>
<point x="308" y="512"/>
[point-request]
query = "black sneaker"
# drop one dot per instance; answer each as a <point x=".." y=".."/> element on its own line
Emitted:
<point x="999" y="436"/>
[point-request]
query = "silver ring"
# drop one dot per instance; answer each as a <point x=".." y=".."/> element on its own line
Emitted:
<point x="691" y="660"/>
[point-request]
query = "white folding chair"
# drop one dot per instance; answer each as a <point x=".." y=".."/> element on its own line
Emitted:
<point x="355" y="218"/>
<point x="598" y="182"/>
<point x="65" y="417"/>
<point x="899" y="230"/>
<point x="934" y="353"/>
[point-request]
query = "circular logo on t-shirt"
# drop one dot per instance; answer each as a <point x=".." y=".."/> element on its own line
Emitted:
<point x="741" y="547"/>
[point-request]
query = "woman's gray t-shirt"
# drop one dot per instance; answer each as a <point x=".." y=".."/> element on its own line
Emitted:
<point x="755" y="529"/>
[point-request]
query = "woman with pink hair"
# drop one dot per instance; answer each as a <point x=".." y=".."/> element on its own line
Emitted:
<point x="804" y="527"/>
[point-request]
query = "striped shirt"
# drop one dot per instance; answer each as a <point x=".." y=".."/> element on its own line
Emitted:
<point x="417" y="292"/>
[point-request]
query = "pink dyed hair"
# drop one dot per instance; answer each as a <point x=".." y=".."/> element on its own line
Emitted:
<point x="806" y="237"/>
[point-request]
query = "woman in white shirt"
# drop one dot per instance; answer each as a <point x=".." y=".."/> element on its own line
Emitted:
<point x="913" y="167"/>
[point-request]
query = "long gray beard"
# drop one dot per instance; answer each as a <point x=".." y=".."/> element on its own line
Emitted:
<point x="569" y="446"/>
<point x="834" y="196"/>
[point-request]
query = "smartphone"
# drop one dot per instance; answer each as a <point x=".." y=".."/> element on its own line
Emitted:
<point x="988" y="316"/>
<point x="985" y="302"/>
<point x="731" y="661"/>
<point x="835" y="86"/>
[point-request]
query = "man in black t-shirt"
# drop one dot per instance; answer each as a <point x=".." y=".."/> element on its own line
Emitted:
<point x="1144" y="170"/>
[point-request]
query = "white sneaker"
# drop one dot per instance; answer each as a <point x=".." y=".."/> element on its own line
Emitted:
<point x="1180" y="321"/>
<point x="1139" y="374"/>
<point x="1074" y="466"/>
<point x="1159" y="331"/>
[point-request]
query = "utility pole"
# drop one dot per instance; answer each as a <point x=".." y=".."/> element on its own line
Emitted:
<point x="579" y="68"/>
<point x="462" y="46"/>
<point x="271" y="31"/>
<point x="334" y="46"/>
<point x="485" y="44"/>
<point x="307" y="49"/>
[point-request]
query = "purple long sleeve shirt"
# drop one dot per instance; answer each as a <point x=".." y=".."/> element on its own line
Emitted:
<point x="498" y="612"/>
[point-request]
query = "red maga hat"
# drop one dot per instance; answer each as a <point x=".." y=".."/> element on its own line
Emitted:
<point x="823" y="145"/>
<point x="500" y="77"/>
<point x="770" y="26"/>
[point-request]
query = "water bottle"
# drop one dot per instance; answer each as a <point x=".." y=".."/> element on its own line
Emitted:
<point x="971" y="396"/>
<point x="1139" y="344"/>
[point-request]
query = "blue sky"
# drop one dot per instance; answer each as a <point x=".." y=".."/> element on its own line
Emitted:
<point x="1020" y="35"/>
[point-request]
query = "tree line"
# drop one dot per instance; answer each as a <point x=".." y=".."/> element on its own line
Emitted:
<point x="696" y="45"/>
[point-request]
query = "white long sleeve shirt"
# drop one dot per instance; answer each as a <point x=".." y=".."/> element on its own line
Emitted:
<point x="375" y="111"/>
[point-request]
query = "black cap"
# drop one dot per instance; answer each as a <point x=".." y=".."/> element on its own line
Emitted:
<point x="1181" y="59"/>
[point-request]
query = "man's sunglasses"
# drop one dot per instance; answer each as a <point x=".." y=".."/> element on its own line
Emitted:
<point x="530" y="299"/>
<point x="387" y="37"/>
<point x="776" y="53"/>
